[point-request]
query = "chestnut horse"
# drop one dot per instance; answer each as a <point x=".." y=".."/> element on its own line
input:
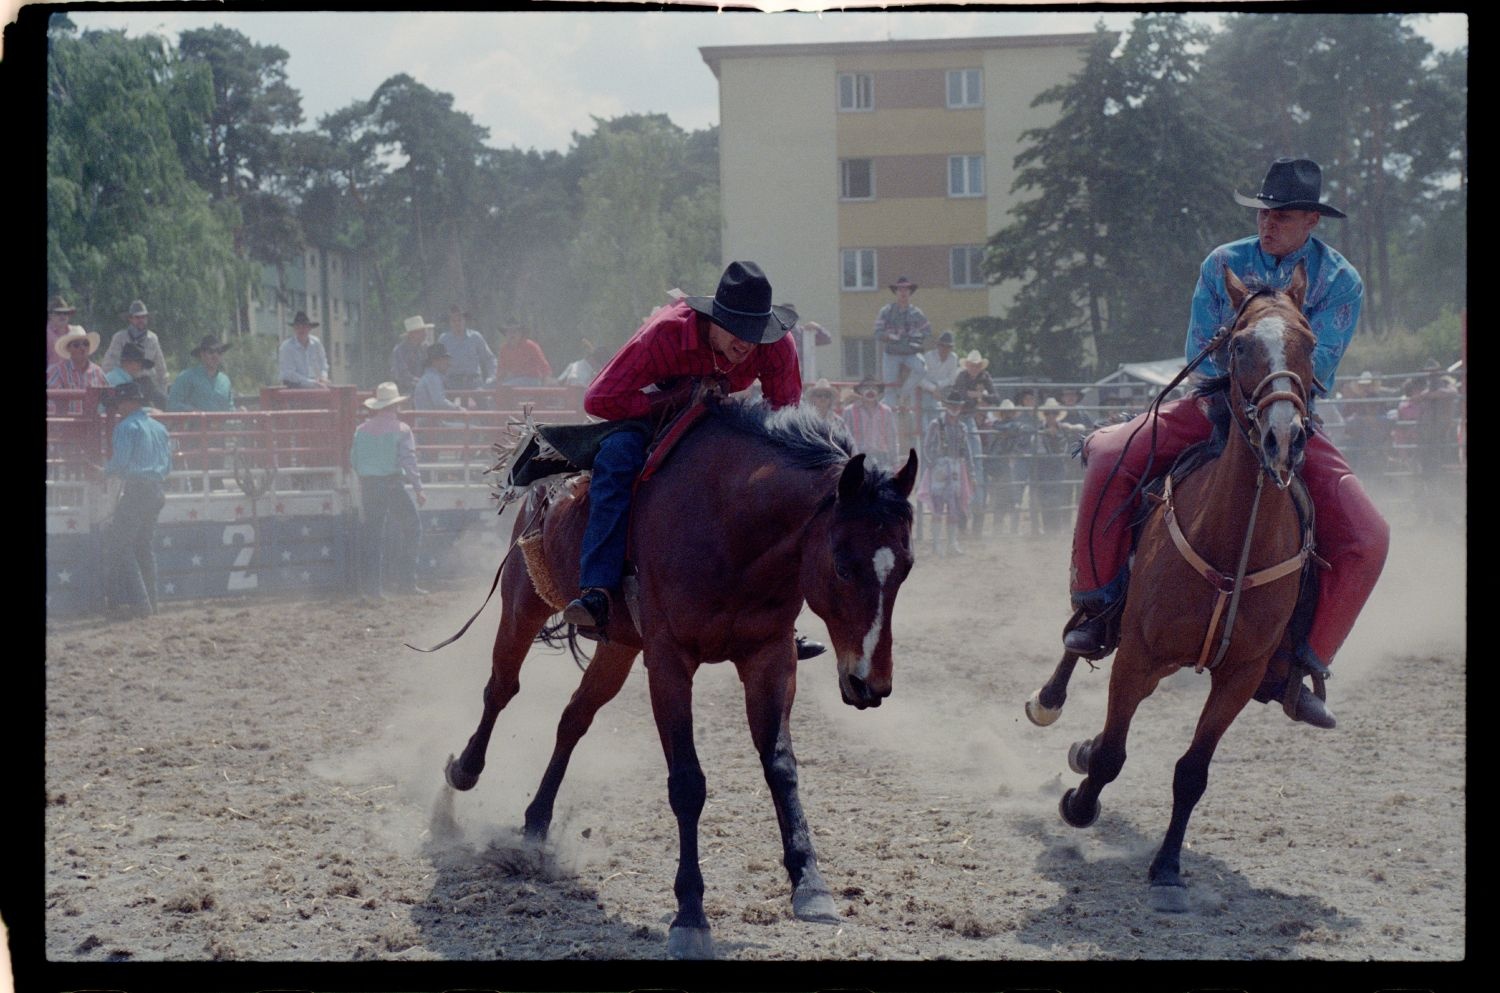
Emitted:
<point x="753" y="514"/>
<point x="1229" y="526"/>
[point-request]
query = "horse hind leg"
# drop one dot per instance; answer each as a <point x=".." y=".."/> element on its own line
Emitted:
<point x="601" y="682"/>
<point x="1045" y="705"/>
<point x="522" y="617"/>
<point x="1230" y="692"/>
<point x="1132" y="678"/>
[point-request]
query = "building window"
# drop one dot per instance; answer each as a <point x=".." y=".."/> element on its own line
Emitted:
<point x="966" y="175"/>
<point x="856" y="179"/>
<point x="966" y="266"/>
<point x="856" y="91"/>
<point x="860" y="359"/>
<point x="964" y="89"/>
<point x="858" y="268"/>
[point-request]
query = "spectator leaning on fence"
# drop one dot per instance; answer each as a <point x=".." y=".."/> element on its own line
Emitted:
<point x="521" y="361"/>
<point x="135" y="367"/>
<point x="141" y="458"/>
<point x="473" y="364"/>
<point x="73" y="369"/>
<point x="139" y="334"/>
<point x="429" y="394"/>
<point x="59" y="317"/>
<point x="204" y="386"/>
<point x="384" y="457"/>
<point x="303" y="363"/>
<point x="409" y="357"/>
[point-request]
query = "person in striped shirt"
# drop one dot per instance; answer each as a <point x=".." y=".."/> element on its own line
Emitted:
<point x="74" y="369"/>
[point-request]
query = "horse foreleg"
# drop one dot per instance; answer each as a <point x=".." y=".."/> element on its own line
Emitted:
<point x="523" y="615"/>
<point x="1230" y="692"/>
<point x="670" y="676"/>
<point x="1132" y="678"/>
<point x="1045" y="705"/>
<point x="770" y="680"/>
<point x="601" y="682"/>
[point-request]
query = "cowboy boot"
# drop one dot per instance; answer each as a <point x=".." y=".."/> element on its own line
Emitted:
<point x="1297" y="701"/>
<point x="1094" y="629"/>
<point x="590" y="612"/>
<point x="809" y="649"/>
<point x="953" y="547"/>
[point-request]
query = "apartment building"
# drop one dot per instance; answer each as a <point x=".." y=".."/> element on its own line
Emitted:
<point x="844" y="166"/>
<point x="328" y="285"/>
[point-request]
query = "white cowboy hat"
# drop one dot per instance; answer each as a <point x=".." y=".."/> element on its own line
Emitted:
<point x="1051" y="404"/>
<point x="1007" y="404"/>
<point x="974" y="358"/>
<point x="75" y="333"/>
<point x="386" y="394"/>
<point x="417" y="323"/>
<point x="824" y="387"/>
<point x="1367" y="377"/>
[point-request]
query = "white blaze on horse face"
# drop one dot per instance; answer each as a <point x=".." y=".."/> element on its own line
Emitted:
<point x="1271" y="332"/>
<point x="884" y="561"/>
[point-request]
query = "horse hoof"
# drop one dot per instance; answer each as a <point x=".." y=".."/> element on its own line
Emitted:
<point x="457" y="778"/>
<point x="690" y="943"/>
<point x="1078" y="756"/>
<point x="815" y="906"/>
<point x="1040" y="714"/>
<point x="1171" y="899"/>
<point x="1064" y="809"/>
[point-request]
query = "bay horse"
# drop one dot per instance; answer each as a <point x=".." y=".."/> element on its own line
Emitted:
<point x="754" y="513"/>
<point x="1238" y="543"/>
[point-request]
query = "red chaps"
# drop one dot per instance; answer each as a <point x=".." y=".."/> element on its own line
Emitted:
<point x="1350" y="533"/>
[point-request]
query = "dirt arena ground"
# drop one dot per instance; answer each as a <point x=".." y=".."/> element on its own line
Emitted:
<point x="261" y="779"/>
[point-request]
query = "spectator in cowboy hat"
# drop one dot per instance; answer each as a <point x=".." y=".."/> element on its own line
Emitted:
<point x="204" y="386"/>
<point x="942" y="370"/>
<point x="72" y="368"/>
<point x="141" y="458"/>
<point x="302" y="362"/>
<point x="901" y="328"/>
<point x="823" y="398"/>
<point x="59" y="318"/>
<point x="429" y="393"/>
<point x="409" y="357"/>
<point x="138" y="334"/>
<point x="384" y="457"/>
<point x="472" y="364"/>
<point x="134" y="366"/>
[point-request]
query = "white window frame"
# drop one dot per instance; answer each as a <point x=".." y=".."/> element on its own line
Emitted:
<point x="971" y="259"/>
<point x="972" y="183"/>
<point x="970" y="87"/>
<point x="863" y="86"/>
<point x="864" y="281"/>
<point x="844" y="165"/>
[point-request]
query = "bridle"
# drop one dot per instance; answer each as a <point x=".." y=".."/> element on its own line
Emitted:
<point x="1246" y="409"/>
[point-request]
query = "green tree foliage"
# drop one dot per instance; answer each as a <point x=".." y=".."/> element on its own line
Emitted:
<point x="124" y="219"/>
<point x="1124" y="196"/>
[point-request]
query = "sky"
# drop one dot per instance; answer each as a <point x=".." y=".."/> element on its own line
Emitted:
<point x="533" y="78"/>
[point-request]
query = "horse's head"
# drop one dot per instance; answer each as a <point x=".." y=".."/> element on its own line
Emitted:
<point x="853" y="568"/>
<point x="1270" y="371"/>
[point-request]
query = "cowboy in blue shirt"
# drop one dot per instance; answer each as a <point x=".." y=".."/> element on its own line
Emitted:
<point x="141" y="457"/>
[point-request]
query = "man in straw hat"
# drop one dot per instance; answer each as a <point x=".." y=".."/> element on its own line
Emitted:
<point x="1350" y="533"/>
<point x="409" y="357"/>
<point x="384" y="457"/>
<point x="206" y="385"/>
<point x="736" y="336"/>
<point x="301" y="361"/>
<point x="71" y="368"/>
<point x="138" y="333"/>
<point x="59" y="318"/>
<point x="141" y="458"/>
<point x="822" y="397"/>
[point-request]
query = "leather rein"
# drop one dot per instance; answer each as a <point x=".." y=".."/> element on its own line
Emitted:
<point x="1230" y="587"/>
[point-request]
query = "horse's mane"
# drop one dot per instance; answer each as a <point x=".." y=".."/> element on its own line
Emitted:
<point x="810" y="442"/>
<point x="807" y="440"/>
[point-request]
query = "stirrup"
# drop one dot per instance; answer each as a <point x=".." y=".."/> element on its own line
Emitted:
<point x="1093" y="636"/>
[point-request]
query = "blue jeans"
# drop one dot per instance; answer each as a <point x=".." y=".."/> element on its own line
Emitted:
<point x="621" y="456"/>
<point x="390" y="520"/>
<point x="132" y="559"/>
<point x="890" y="369"/>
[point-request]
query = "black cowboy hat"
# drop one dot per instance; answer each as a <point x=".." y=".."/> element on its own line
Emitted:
<point x="956" y="397"/>
<point x="435" y="352"/>
<point x="742" y="306"/>
<point x="209" y="341"/>
<point x="1291" y="184"/>
<point x="304" y="320"/>
<point x="130" y="390"/>
<point x="903" y="281"/>
<point x="134" y="353"/>
<point x="946" y="338"/>
<point x="871" y="381"/>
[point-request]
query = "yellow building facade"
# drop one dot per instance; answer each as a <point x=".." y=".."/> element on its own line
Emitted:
<point x="845" y="166"/>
